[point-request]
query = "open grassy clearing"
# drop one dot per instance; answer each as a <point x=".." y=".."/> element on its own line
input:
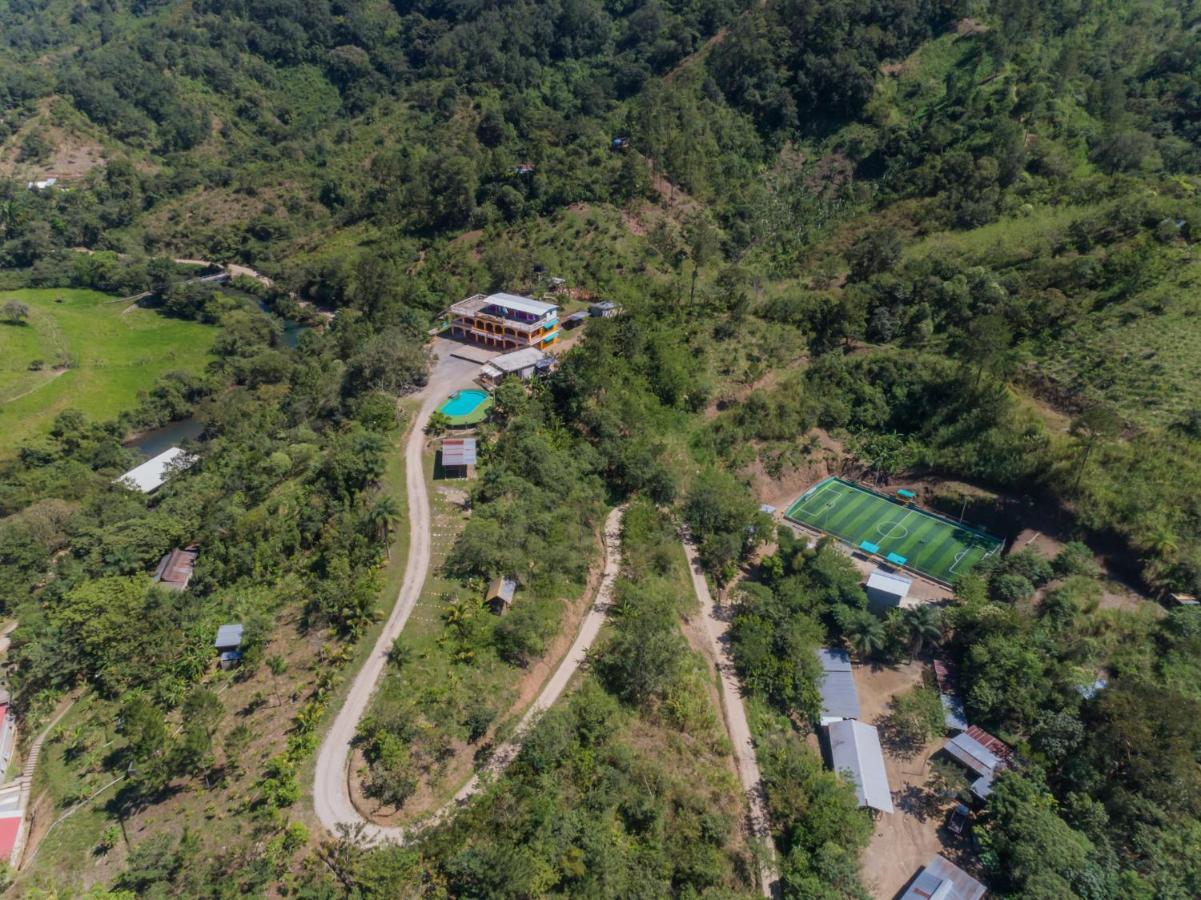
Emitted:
<point x="80" y="350"/>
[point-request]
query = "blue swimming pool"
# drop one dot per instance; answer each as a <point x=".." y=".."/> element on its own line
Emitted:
<point x="463" y="403"/>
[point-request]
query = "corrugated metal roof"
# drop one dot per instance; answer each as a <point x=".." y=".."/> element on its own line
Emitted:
<point x="994" y="745"/>
<point x="521" y="304"/>
<point x="972" y="754"/>
<point x="228" y="636"/>
<point x="502" y="588"/>
<point x="855" y="752"/>
<point x="517" y="360"/>
<point x="458" y="452"/>
<point x="152" y="473"/>
<point x="953" y="714"/>
<point x="889" y="583"/>
<point x="175" y="569"/>
<point x="943" y="880"/>
<point x="834" y="660"/>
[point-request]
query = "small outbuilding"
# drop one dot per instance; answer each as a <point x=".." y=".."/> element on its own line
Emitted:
<point x="150" y="475"/>
<point x="982" y="755"/>
<point x="943" y="880"/>
<point x="500" y="595"/>
<point x="458" y="457"/>
<point x="887" y="589"/>
<point x="575" y="320"/>
<point x="175" y="569"/>
<point x="855" y="753"/>
<point x="521" y="364"/>
<point x="840" y="699"/>
<point x="604" y="309"/>
<point x="229" y="644"/>
<point x="954" y="716"/>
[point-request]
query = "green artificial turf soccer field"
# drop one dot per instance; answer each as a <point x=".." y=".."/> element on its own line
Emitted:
<point x="932" y="545"/>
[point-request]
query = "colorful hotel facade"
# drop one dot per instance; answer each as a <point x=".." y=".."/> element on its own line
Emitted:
<point x="505" y="321"/>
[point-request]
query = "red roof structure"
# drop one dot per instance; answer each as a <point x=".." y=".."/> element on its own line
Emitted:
<point x="10" y="827"/>
<point x="994" y="745"/>
<point x="175" y="569"/>
<point x="944" y="676"/>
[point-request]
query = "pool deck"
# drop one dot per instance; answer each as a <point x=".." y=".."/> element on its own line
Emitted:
<point x="477" y="415"/>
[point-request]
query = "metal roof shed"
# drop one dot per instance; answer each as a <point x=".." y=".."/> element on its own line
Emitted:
<point x="175" y="569"/>
<point x="229" y="637"/>
<point x="887" y="589"/>
<point x="840" y="699"/>
<point x="150" y="475"/>
<point x="943" y="880"/>
<point x="969" y="751"/>
<point x="855" y="752"/>
<point x="458" y="452"/>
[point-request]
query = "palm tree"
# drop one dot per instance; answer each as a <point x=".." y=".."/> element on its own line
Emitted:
<point x="866" y="635"/>
<point x="383" y="515"/>
<point x="925" y="624"/>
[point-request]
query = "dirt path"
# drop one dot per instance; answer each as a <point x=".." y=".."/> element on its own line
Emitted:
<point x="37" y="387"/>
<point x="589" y="629"/>
<point x="331" y="789"/>
<point x="716" y="627"/>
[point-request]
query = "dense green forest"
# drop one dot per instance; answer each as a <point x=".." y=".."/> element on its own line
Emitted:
<point x="936" y="239"/>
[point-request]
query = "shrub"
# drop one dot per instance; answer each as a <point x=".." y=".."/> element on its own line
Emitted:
<point x="1074" y="559"/>
<point x="1010" y="588"/>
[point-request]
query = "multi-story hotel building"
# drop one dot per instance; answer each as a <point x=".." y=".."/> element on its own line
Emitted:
<point x="505" y="321"/>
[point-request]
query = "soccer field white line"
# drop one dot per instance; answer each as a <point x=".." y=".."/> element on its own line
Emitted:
<point x="959" y="557"/>
<point x="820" y="492"/>
<point x="901" y="524"/>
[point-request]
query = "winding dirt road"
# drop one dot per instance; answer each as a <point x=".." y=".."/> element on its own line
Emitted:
<point x="331" y="788"/>
<point x="716" y="627"/>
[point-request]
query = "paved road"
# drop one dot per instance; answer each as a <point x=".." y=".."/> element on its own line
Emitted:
<point x="331" y="789"/>
<point x="716" y="627"/>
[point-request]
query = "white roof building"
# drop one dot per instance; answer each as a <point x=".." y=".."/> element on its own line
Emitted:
<point x="521" y="363"/>
<point x="855" y="753"/>
<point x="887" y="589"/>
<point x="150" y="475"/>
<point x="521" y="304"/>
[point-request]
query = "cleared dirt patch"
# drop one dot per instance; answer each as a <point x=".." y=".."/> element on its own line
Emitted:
<point x="904" y="841"/>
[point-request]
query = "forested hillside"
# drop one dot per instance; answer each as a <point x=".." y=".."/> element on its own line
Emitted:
<point x="936" y="242"/>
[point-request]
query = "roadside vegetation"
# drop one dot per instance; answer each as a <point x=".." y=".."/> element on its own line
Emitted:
<point x="928" y="240"/>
